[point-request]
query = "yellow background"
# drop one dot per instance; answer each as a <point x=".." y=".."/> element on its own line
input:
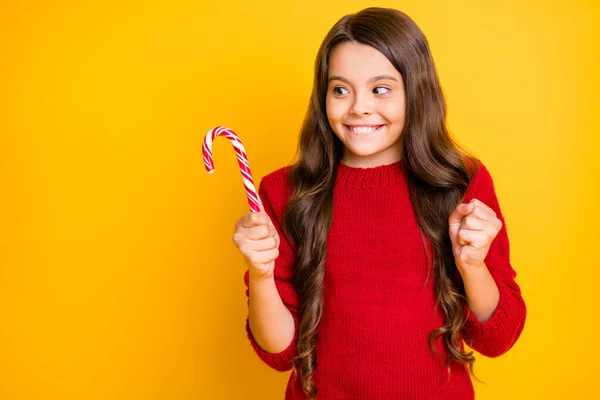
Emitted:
<point x="118" y="275"/>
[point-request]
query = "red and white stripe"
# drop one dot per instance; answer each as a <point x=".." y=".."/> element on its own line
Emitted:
<point x="242" y="161"/>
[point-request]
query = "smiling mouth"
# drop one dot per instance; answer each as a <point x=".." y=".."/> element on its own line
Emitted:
<point x="364" y="130"/>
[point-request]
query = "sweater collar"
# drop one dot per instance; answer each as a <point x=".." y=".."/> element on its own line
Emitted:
<point x="380" y="176"/>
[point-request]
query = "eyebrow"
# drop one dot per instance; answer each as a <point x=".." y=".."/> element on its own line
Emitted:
<point x="374" y="79"/>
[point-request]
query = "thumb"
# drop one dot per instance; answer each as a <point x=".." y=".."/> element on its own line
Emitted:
<point x="459" y="212"/>
<point x="262" y="209"/>
<point x="455" y="219"/>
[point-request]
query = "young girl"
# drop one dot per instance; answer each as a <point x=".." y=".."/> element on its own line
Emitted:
<point x="383" y="247"/>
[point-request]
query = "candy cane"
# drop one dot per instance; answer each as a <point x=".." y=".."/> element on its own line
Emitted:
<point x="242" y="161"/>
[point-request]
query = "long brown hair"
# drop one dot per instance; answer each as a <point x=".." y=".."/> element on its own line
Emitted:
<point x="438" y="173"/>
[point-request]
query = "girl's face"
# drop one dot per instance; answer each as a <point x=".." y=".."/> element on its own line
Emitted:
<point x="365" y="105"/>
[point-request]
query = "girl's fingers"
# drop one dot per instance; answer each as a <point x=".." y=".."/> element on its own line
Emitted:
<point x="473" y="223"/>
<point x="483" y="211"/>
<point x="259" y="232"/>
<point x="264" y="257"/>
<point x="252" y="219"/>
<point x="471" y="238"/>
<point x="265" y="244"/>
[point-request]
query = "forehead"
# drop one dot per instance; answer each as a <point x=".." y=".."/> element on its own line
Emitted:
<point x="356" y="61"/>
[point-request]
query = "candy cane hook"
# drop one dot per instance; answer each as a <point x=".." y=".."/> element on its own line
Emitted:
<point x="242" y="161"/>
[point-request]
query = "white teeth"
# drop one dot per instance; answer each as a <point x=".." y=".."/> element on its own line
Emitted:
<point x="364" y="129"/>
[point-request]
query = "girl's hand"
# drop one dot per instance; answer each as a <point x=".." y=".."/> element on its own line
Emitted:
<point x="258" y="241"/>
<point x="472" y="226"/>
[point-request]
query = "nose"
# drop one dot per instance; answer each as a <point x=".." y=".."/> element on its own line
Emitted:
<point x="362" y="105"/>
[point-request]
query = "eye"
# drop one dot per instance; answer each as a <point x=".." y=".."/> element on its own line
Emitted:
<point x="336" y="88"/>
<point x="381" y="87"/>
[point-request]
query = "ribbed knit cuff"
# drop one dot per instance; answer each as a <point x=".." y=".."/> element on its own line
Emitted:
<point x="281" y="361"/>
<point x="496" y="336"/>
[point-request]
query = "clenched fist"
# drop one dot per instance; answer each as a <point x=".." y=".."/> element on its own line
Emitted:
<point x="258" y="241"/>
<point x="472" y="227"/>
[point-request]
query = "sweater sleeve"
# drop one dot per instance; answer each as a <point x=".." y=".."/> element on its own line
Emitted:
<point x="283" y="273"/>
<point x="498" y="334"/>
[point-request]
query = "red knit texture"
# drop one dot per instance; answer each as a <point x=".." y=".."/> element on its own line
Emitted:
<point x="379" y="302"/>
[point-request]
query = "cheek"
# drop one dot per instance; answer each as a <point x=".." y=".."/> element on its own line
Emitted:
<point x="335" y="110"/>
<point x="393" y="112"/>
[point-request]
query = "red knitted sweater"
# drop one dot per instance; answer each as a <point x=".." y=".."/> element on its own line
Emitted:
<point x="379" y="305"/>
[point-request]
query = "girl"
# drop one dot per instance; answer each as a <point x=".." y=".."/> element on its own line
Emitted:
<point x="382" y="250"/>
